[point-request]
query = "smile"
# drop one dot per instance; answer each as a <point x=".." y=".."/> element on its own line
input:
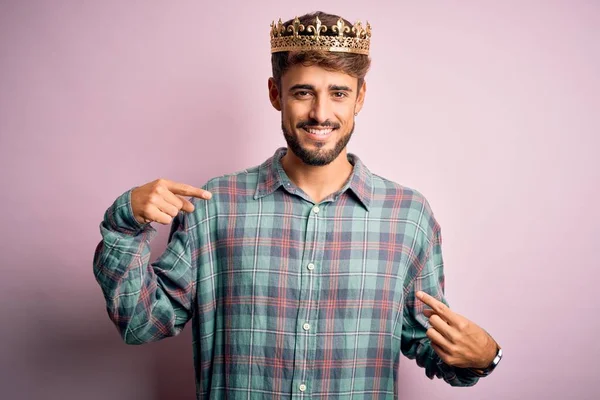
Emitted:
<point x="318" y="133"/>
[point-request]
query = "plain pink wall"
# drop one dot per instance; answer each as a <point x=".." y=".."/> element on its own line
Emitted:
<point x="488" y="108"/>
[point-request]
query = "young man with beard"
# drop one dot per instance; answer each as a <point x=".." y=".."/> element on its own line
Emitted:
<point x="306" y="276"/>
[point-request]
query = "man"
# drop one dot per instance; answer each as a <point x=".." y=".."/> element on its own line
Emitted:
<point x="305" y="276"/>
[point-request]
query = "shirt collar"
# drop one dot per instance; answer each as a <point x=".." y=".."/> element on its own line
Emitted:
<point x="271" y="177"/>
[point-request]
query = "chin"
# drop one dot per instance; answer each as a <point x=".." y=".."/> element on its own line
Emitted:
<point x="316" y="152"/>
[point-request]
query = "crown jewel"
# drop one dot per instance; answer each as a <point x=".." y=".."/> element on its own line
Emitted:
<point x="346" y="39"/>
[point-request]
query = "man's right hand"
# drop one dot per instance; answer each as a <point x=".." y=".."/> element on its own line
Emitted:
<point x="160" y="200"/>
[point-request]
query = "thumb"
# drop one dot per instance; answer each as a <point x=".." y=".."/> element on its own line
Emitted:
<point x="187" y="205"/>
<point x="428" y="313"/>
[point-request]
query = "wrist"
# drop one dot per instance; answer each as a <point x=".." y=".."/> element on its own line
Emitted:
<point x="485" y="371"/>
<point x="491" y="353"/>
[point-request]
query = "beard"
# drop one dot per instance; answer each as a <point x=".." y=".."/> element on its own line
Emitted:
<point x="318" y="157"/>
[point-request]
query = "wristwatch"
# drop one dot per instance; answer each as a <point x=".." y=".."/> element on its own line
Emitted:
<point x="488" y="370"/>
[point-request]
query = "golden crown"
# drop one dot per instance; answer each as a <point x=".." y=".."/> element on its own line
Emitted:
<point x="345" y="39"/>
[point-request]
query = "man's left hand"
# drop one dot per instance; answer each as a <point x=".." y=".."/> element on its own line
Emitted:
<point x="458" y="341"/>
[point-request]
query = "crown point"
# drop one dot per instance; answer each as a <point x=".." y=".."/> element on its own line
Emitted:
<point x="340" y="27"/>
<point x="296" y="27"/>
<point x="317" y="28"/>
<point x="358" y="30"/>
<point x="280" y="28"/>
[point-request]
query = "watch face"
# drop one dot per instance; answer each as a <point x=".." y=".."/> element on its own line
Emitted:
<point x="497" y="358"/>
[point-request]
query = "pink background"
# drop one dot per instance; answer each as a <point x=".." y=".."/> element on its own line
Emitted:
<point x="488" y="108"/>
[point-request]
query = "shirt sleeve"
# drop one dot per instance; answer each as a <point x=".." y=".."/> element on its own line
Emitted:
<point x="146" y="301"/>
<point x="428" y="276"/>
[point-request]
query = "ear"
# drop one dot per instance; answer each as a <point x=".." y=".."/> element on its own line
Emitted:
<point x="274" y="95"/>
<point x="360" y="98"/>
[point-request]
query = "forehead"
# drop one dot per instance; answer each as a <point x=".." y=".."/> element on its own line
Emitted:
<point x="316" y="76"/>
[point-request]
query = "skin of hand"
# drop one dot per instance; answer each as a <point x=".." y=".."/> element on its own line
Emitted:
<point x="458" y="341"/>
<point x="161" y="200"/>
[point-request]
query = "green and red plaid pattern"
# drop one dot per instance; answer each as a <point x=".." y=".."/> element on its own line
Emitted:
<point x="287" y="298"/>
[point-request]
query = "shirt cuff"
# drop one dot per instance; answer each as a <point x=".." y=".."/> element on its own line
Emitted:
<point x="119" y="216"/>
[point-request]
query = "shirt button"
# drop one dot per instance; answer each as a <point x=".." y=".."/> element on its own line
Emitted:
<point x="310" y="266"/>
<point x="306" y="326"/>
<point x="302" y="387"/>
<point x="316" y="209"/>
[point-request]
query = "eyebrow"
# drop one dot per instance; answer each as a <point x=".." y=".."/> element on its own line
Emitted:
<point x="339" y="88"/>
<point x="311" y="87"/>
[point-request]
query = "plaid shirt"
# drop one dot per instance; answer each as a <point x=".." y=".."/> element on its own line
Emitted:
<point x="287" y="299"/>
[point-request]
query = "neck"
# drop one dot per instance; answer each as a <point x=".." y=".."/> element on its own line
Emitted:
<point x="317" y="181"/>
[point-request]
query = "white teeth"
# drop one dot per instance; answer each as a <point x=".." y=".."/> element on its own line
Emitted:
<point x="321" y="132"/>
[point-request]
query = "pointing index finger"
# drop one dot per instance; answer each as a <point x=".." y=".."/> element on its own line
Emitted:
<point x="188" y="190"/>
<point x="440" y="308"/>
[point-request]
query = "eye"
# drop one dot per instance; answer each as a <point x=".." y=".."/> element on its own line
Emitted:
<point x="340" y="95"/>
<point x="302" y="94"/>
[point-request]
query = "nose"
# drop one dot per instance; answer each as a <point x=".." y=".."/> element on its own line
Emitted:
<point x="319" y="110"/>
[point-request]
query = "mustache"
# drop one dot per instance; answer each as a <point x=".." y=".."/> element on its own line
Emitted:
<point x="315" y="124"/>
